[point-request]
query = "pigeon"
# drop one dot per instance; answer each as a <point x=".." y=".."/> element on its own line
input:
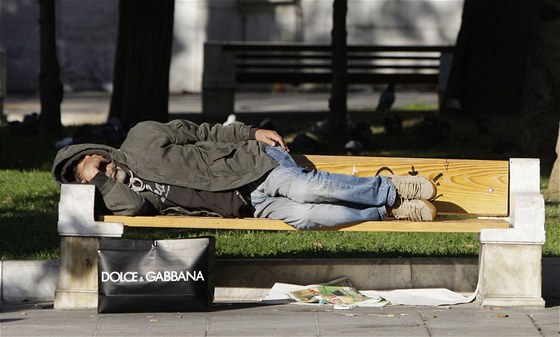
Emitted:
<point x="387" y="99"/>
<point x="353" y="147"/>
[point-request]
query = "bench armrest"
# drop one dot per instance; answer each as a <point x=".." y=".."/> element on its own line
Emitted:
<point x="526" y="206"/>
<point x="76" y="213"/>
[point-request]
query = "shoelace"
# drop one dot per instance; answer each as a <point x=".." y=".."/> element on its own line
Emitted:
<point x="408" y="211"/>
<point x="408" y="189"/>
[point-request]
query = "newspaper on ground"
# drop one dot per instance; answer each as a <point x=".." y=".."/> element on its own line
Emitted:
<point x="340" y="293"/>
<point x="343" y="295"/>
<point x="430" y="296"/>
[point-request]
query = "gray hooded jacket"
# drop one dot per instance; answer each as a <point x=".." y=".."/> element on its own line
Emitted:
<point x="180" y="153"/>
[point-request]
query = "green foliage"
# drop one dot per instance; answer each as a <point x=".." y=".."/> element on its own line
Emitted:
<point x="28" y="215"/>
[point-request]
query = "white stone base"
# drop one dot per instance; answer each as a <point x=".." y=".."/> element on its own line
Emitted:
<point x="75" y="299"/>
<point x="77" y="281"/>
<point x="510" y="275"/>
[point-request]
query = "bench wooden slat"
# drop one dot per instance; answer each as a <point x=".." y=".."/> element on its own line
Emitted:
<point x="294" y="46"/>
<point x="326" y="77"/>
<point x="289" y="66"/>
<point x="326" y="57"/>
<point x="443" y="225"/>
<point x="459" y="179"/>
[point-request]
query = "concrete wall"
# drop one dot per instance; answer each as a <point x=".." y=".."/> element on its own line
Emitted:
<point x="87" y="31"/>
<point x="37" y="280"/>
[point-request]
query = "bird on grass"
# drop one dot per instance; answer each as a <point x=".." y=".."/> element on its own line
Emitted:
<point x="387" y="99"/>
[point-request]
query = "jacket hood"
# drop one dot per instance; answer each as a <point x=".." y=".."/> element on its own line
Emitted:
<point x="68" y="157"/>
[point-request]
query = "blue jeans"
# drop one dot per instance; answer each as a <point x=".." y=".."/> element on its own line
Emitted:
<point x="313" y="199"/>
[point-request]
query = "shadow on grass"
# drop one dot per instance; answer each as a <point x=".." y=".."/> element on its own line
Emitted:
<point x="240" y="244"/>
<point x="29" y="234"/>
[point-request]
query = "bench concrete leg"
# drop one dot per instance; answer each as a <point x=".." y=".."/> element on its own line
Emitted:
<point x="510" y="275"/>
<point x="77" y="278"/>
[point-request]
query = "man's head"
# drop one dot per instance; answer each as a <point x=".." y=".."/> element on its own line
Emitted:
<point x="65" y="164"/>
<point x="91" y="164"/>
<point x="71" y="172"/>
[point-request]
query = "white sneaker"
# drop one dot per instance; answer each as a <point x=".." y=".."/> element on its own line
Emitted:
<point x="415" y="210"/>
<point x="413" y="188"/>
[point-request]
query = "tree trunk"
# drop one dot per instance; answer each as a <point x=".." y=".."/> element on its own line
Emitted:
<point x="490" y="57"/>
<point x="541" y="95"/>
<point x="141" y="74"/>
<point x="337" y="102"/>
<point x="50" y="86"/>
<point x="554" y="183"/>
<point x="507" y="60"/>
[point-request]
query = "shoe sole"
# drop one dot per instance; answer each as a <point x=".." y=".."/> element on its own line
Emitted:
<point x="429" y="213"/>
<point x="433" y="211"/>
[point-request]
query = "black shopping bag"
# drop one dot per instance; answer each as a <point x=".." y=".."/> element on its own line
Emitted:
<point x="155" y="275"/>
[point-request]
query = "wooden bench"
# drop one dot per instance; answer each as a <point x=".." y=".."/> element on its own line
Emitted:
<point x="228" y="64"/>
<point x="501" y="200"/>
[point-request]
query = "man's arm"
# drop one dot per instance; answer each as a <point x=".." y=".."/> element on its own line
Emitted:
<point x="121" y="200"/>
<point x="236" y="132"/>
<point x="118" y="197"/>
<point x="184" y="132"/>
<point x="189" y="132"/>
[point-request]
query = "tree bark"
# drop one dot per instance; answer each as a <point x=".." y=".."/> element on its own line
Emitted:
<point x="338" y="101"/>
<point x="554" y="183"/>
<point x="491" y="56"/>
<point x="541" y="95"/>
<point x="507" y="60"/>
<point x="50" y="86"/>
<point x="141" y="74"/>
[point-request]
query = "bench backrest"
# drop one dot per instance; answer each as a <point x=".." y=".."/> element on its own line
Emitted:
<point x="474" y="187"/>
<point x="311" y="63"/>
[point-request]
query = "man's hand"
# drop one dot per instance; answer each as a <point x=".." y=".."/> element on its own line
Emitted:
<point x="270" y="137"/>
<point x="90" y="165"/>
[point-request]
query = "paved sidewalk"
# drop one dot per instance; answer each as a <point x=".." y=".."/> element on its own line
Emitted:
<point x="92" y="107"/>
<point x="254" y="319"/>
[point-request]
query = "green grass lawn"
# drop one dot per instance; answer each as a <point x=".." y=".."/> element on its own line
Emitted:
<point x="29" y="201"/>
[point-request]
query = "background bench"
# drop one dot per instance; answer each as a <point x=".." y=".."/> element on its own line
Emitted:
<point x="229" y="64"/>
<point x="501" y="200"/>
